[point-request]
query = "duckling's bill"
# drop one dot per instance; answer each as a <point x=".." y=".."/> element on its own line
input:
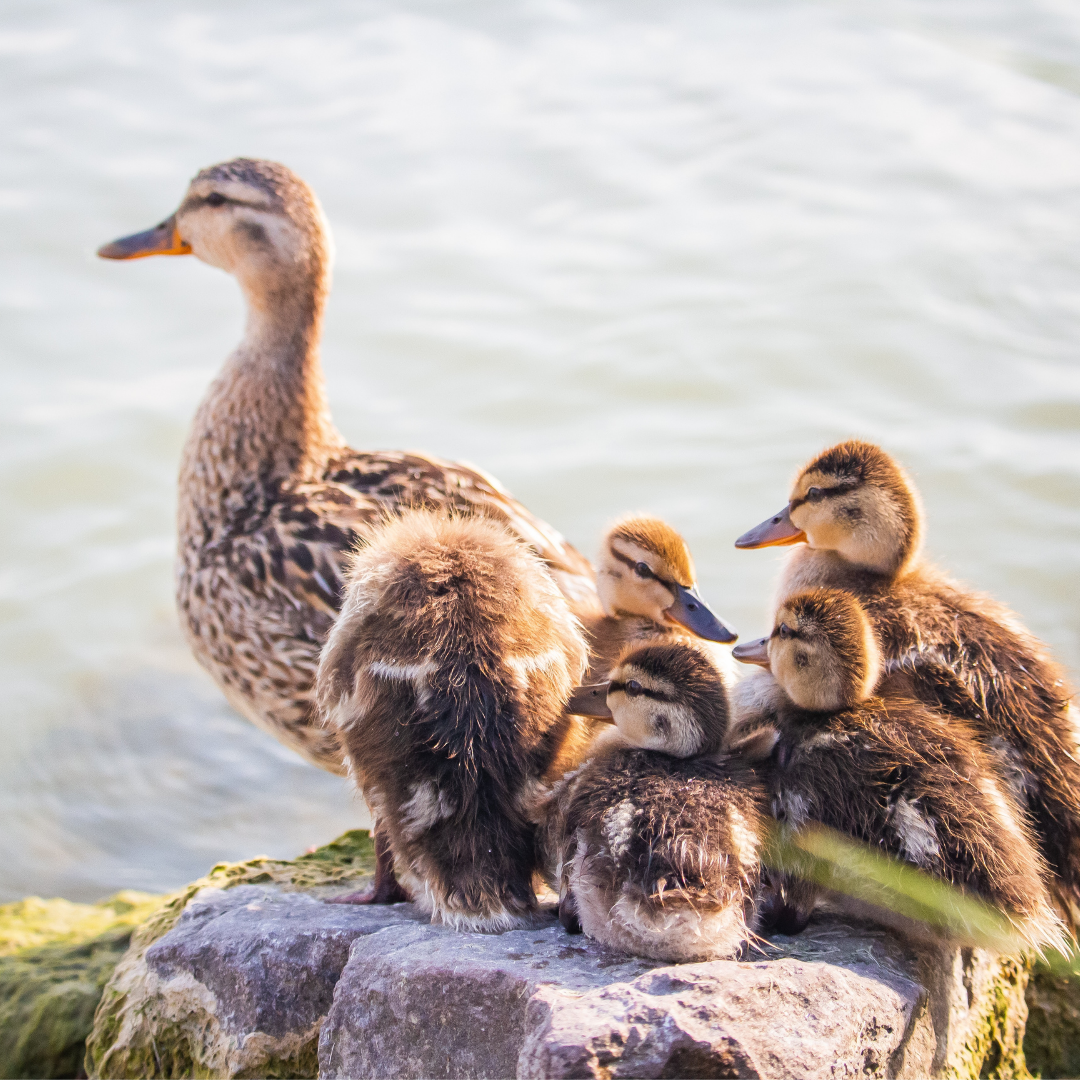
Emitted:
<point x="591" y="701"/>
<point x="690" y="611"/>
<point x="773" y="532"/>
<point x="163" y="239"/>
<point x="753" y="652"/>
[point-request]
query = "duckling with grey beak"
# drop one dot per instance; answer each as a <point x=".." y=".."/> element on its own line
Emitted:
<point x="856" y="753"/>
<point x="653" y="842"/>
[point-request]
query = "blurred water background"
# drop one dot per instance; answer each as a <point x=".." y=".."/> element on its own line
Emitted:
<point x="623" y="255"/>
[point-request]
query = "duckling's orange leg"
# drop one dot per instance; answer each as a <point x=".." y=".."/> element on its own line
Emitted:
<point x="386" y="890"/>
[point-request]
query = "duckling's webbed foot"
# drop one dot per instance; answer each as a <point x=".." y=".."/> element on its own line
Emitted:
<point x="387" y="889"/>
<point x="568" y="914"/>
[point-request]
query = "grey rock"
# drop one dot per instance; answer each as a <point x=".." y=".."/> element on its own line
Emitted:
<point x="269" y="959"/>
<point x="252" y="981"/>
<point x="240" y="986"/>
<point x="840" y="1000"/>
<point x="427" y="1001"/>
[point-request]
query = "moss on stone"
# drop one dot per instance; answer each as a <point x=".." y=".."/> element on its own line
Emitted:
<point x="1000" y="1050"/>
<point x="131" y="1038"/>
<point x="1052" y="1041"/>
<point x="55" y="958"/>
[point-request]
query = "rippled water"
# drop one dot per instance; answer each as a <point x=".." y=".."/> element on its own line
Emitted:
<point x="622" y="255"/>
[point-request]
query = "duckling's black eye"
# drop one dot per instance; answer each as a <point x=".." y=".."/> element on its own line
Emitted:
<point x="642" y="570"/>
<point x="633" y="688"/>
<point x="814" y="494"/>
<point x="215" y="198"/>
<point x="784" y="631"/>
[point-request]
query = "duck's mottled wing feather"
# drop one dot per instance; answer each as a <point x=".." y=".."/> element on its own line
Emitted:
<point x="297" y="553"/>
<point x="395" y="480"/>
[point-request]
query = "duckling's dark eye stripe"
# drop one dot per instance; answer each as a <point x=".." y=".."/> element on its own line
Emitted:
<point x="823" y="493"/>
<point x="645" y="691"/>
<point x="633" y="562"/>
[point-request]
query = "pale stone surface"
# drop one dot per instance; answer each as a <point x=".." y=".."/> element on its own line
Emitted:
<point x="252" y="977"/>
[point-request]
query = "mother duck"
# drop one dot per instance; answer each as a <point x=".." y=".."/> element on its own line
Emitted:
<point x="271" y="497"/>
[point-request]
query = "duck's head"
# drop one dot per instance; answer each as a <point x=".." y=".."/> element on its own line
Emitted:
<point x="645" y="569"/>
<point x="255" y="219"/>
<point x="822" y="651"/>
<point x="853" y="499"/>
<point x="667" y="696"/>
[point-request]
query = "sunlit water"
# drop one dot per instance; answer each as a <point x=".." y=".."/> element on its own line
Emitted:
<point x="622" y="255"/>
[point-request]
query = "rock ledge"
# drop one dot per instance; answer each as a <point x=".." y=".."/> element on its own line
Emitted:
<point x="261" y="978"/>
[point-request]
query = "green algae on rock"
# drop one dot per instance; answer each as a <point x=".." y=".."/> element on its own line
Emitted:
<point x="55" y="958"/>
<point x="1052" y="1039"/>
<point x="138" y="1034"/>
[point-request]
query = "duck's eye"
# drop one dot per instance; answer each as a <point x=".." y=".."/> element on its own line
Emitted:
<point x="784" y="631"/>
<point x="215" y="198"/>
<point x="814" y="494"/>
<point x="633" y="688"/>
<point x="642" y="570"/>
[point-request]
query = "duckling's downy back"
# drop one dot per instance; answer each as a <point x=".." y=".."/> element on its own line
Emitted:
<point x="446" y="675"/>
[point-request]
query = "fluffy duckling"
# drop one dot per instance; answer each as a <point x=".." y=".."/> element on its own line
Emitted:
<point x="271" y="498"/>
<point x="653" y="842"/>
<point x="887" y="769"/>
<point x="446" y="677"/>
<point x="858" y="518"/>
<point x="648" y="589"/>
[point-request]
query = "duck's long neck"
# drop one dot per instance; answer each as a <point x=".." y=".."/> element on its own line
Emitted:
<point x="265" y="419"/>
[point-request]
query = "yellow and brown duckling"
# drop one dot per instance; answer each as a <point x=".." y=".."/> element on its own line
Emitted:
<point x="445" y="678"/>
<point x="653" y="842"/>
<point x="271" y="498"/>
<point x="857" y="518"/>
<point x="648" y="588"/>
<point x="859" y="757"/>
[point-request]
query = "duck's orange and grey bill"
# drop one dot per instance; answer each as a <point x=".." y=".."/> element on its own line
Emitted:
<point x="779" y="529"/>
<point x="690" y="611"/>
<point x="163" y="239"/>
<point x="590" y="701"/>
<point x="753" y="652"/>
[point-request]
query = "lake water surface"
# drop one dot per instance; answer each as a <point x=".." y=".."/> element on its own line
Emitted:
<point x="622" y="255"/>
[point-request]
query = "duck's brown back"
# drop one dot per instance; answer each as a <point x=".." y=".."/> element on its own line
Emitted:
<point x="259" y="579"/>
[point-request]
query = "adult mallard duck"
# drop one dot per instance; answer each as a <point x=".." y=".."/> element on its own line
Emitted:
<point x="856" y="518"/>
<point x="271" y="497"/>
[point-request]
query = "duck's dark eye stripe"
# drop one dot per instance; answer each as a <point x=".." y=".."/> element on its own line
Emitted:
<point x="632" y="563"/>
<point x="644" y="691"/>
<point x="822" y="493"/>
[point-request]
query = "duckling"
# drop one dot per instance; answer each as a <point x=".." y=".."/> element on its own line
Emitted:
<point x="445" y="677"/>
<point x="647" y="588"/>
<point x="653" y="842"/>
<point x="861" y="758"/>
<point x="271" y="497"/>
<point x="859" y="519"/>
